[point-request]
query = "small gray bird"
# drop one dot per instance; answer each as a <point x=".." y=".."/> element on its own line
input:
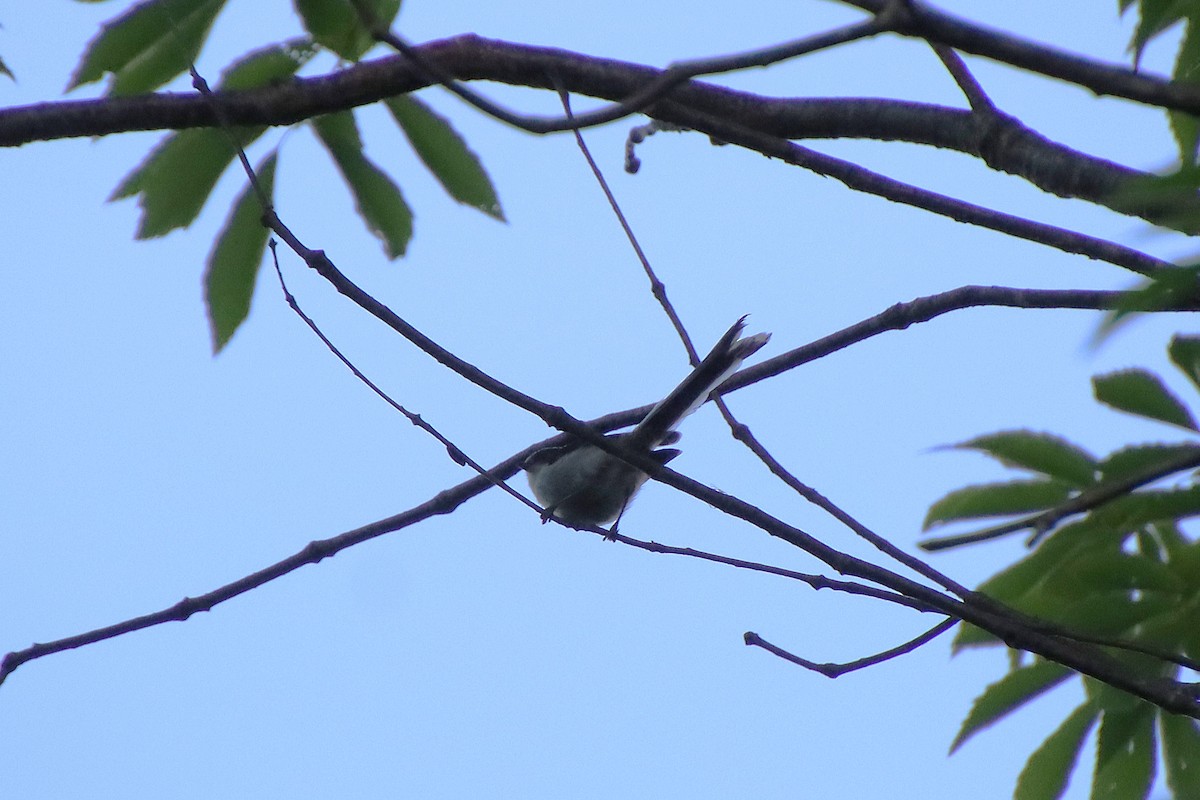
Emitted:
<point x="582" y="485"/>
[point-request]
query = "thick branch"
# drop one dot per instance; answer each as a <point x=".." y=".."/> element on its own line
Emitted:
<point x="1104" y="79"/>
<point x="1001" y="142"/>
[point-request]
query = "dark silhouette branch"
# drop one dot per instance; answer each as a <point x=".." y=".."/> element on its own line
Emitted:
<point x="657" y="288"/>
<point x="926" y="22"/>
<point x="660" y="86"/>
<point x="752" y="639"/>
<point x="924" y="309"/>
<point x="999" y="140"/>
<point x="1007" y="626"/>
<point x="868" y="181"/>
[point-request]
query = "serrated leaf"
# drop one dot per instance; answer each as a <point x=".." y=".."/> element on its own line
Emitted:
<point x="335" y="24"/>
<point x="1018" y="584"/>
<point x="235" y="259"/>
<point x="1008" y="694"/>
<point x="1125" y="754"/>
<point x="1184" y="126"/>
<point x="178" y="176"/>
<point x="268" y="65"/>
<point x="1156" y="17"/>
<point x="996" y="499"/>
<point x="1187" y="61"/>
<point x="972" y="636"/>
<point x="1047" y="770"/>
<point x="1046" y="453"/>
<point x="446" y="155"/>
<point x="1181" y="753"/>
<point x="1185" y="354"/>
<point x="1144" y="459"/>
<point x="1170" y="198"/>
<point x="1131" y="512"/>
<point x="1107" y="613"/>
<point x="378" y="199"/>
<point x="1136" y="391"/>
<point x="1103" y="570"/>
<point x="1186" y="131"/>
<point x="1167" y="287"/>
<point x="1183" y="556"/>
<point x="1062" y="546"/>
<point x="148" y="45"/>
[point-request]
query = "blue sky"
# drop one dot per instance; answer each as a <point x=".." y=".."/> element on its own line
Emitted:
<point x="483" y="654"/>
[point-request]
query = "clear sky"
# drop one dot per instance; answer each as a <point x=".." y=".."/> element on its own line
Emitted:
<point x="483" y="654"/>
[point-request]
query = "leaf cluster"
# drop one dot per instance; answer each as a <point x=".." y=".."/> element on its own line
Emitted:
<point x="156" y="41"/>
<point x="1122" y="572"/>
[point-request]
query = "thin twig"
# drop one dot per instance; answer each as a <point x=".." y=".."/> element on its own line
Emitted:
<point x="870" y="182"/>
<point x="816" y="582"/>
<point x="1045" y="521"/>
<point x="976" y="96"/>
<point x="444" y="502"/>
<point x="752" y="639"/>
<point x="923" y="309"/>
<point x="743" y="434"/>
<point x="657" y="288"/>
<point x="455" y="453"/>
<point x="667" y="81"/>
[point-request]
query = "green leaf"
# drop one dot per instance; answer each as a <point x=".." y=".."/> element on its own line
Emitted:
<point x="1136" y="391"/>
<point x="1166" y="288"/>
<point x="1104" y="570"/>
<point x="1125" y="754"/>
<point x="268" y="65"/>
<point x="1107" y="613"/>
<point x="1181" y="754"/>
<point x="336" y="25"/>
<point x="972" y="636"/>
<point x="1144" y="459"/>
<point x="1156" y="17"/>
<point x="446" y="155"/>
<point x="996" y="499"/>
<point x="1131" y="512"/>
<point x="1186" y="127"/>
<point x="1046" y="453"/>
<point x="178" y="176"/>
<point x="1018" y="585"/>
<point x="1047" y="770"/>
<point x="1185" y="354"/>
<point x="1183" y="556"/>
<point x="1008" y="694"/>
<point x="148" y="45"/>
<point x="378" y="199"/>
<point x="4" y="70"/>
<point x="233" y="264"/>
<point x="1186" y="131"/>
<point x="1064" y="545"/>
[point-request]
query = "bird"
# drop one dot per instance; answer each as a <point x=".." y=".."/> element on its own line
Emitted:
<point x="584" y="486"/>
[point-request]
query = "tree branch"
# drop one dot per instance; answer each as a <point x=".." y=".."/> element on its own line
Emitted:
<point x="752" y="639"/>
<point x="999" y="140"/>
<point x="929" y="23"/>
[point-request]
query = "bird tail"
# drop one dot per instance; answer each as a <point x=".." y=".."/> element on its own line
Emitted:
<point x="721" y="362"/>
